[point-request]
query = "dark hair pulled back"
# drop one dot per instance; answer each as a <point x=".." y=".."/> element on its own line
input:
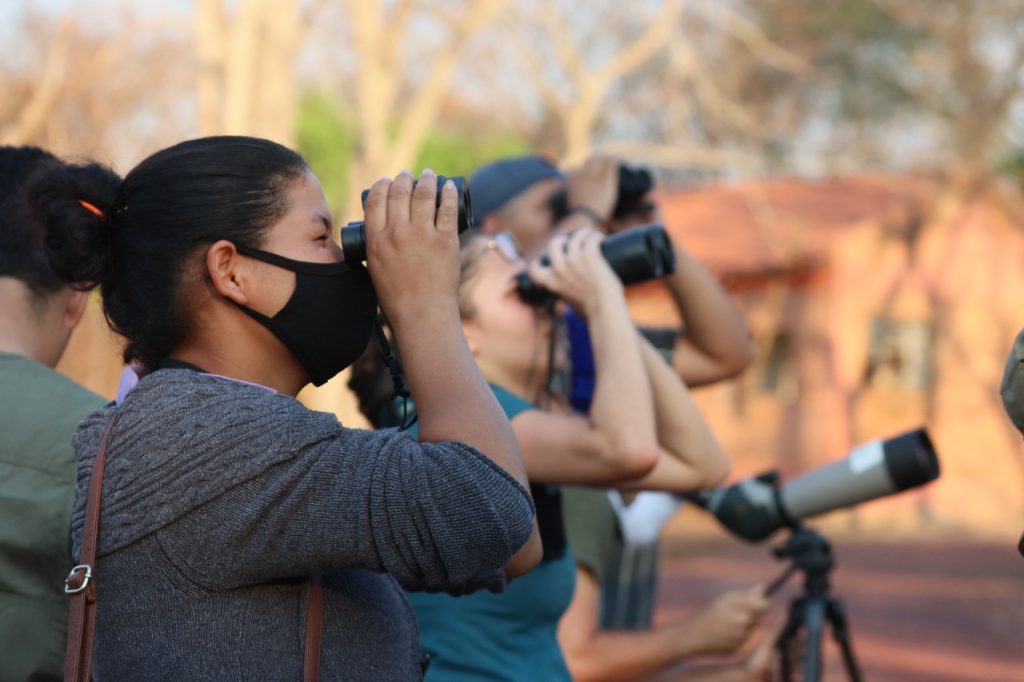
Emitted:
<point x="21" y="235"/>
<point x="152" y="224"/>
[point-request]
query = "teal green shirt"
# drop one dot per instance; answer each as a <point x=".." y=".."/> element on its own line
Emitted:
<point x="39" y="411"/>
<point x="509" y="636"/>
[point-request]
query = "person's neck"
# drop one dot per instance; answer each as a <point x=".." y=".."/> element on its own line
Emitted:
<point x="244" y="367"/>
<point x="20" y="332"/>
<point x="524" y="386"/>
<point x="10" y="345"/>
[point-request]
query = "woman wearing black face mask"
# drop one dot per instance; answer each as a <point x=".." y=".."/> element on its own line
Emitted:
<point x="228" y="509"/>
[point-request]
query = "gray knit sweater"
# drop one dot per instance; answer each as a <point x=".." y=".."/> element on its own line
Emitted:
<point x="220" y="499"/>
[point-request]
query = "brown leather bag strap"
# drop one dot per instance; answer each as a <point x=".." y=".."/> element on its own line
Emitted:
<point x="314" y="631"/>
<point x="81" y="583"/>
<point x="81" y="588"/>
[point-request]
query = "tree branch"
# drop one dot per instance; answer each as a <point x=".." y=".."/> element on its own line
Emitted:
<point x="48" y="92"/>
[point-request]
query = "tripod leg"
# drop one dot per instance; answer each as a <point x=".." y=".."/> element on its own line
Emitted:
<point x="840" y="632"/>
<point x="787" y="636"/>
<point x="814" y="628"/>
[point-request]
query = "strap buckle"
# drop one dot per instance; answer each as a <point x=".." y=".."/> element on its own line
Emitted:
<point x="68" y="589"/>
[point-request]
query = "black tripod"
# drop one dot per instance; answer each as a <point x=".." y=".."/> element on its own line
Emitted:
<point x="810" y="553"/>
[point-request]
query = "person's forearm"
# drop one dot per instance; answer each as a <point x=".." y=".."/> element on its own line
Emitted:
<point x="682" y="430"/>
<point x="620" y="656"/>
<point x="453" y="402"/>
<point x="717" y="343"/>
<point x="622" y="408"/>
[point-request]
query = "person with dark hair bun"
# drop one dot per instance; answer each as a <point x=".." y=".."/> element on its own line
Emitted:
<point x="224" y="499"/>
<point x="39" y="410"/>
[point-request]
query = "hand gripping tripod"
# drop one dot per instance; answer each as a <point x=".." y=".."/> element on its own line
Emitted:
<point x="811" y="554"/>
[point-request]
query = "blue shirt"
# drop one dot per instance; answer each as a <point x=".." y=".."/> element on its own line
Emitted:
<point x="507" y="636"/>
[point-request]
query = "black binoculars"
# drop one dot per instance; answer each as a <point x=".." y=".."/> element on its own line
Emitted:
<point x="631" y="197"/>
<point x="353" y="235"/>
<point x="635" y="255"/>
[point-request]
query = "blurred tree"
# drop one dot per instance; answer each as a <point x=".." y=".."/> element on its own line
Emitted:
<point x="88" y="89"/>
<point x="589" y="66"/>
<point x="27" y="123"/>
<point x="399" y="94"/>
<point x="452" y="152"/>
<point x="640" y="80"/>
<point x="247" y="66"/>
<point x="894" y="81"/>
<point x="327" y="137"/>
<point x="1012" y="166"/>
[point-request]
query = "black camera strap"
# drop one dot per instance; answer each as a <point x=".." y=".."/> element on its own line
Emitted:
<point x="399" y="386"/>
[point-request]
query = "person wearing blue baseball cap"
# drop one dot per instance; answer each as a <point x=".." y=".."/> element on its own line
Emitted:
<point x="514" y="195"/>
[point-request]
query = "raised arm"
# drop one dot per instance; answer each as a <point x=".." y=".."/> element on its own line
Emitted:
<point x="716" y="343"/>
<point x="413" y="257"/>
<point x="690" y="456"/>
<point x="617" y="440"/>
<point x="435" y="516"/>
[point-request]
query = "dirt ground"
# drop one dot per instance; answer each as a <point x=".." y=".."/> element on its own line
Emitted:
<point x="942" y="611"/>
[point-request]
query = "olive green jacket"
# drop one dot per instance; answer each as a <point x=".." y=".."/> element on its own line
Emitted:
<point x="39" y="411"/>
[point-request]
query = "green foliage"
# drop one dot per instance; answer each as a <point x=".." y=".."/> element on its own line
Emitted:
<point x="455" y="153"/>
<point x="1013" y="168"/>
<point x="856" y="46"/>
<point x="327" y="139"/>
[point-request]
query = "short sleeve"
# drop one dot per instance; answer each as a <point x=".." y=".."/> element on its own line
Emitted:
<point x="512" y="404"/>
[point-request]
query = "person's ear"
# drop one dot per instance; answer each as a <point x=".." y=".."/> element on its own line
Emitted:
<point x="74" y="308"/>
<point x="229" y="274"/>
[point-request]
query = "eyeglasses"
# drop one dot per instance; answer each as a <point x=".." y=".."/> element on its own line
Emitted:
<point x="503" y="243"/>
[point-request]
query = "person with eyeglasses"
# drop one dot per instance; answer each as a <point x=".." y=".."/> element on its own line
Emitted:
<point x="607" y="632"/>
<point x="643" y="431"/>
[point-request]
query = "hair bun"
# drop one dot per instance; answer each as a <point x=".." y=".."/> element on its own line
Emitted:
<point x="74" y="204"/>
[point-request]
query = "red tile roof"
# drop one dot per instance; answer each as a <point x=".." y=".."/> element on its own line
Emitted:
<point x="764" y="227"/>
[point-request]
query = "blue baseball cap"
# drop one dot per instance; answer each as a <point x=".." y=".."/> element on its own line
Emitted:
<point x="494" y="184"/>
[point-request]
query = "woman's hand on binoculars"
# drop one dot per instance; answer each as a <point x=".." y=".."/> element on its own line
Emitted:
<point x="412" y="244"/>
<point x="577" y="271"/>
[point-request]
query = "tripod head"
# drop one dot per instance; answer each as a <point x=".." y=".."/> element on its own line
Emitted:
<point x="810" y="552"/>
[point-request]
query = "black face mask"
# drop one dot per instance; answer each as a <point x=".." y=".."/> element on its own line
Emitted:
<point x="327" y="322"/>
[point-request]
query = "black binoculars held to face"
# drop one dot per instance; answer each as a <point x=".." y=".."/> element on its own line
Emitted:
<point x="636" y="255"/>
<point x="353" y="235"/>
<point x="631" y="198"/>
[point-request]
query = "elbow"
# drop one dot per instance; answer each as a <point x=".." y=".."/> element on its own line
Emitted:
<point x="716" y="470"/>
<point x="725" y="364"/>
<point x="527" y="558"/>
<point x="740" y="359"/>
<point x="586" y="666"/>
<point x="633" y="458"/>
<point x="719" y="472"/>
<point x="747" y="355"/>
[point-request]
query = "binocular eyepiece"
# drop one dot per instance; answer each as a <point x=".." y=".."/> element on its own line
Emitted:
<point x="636" y="255"/>
<point x="353" y="235"/>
